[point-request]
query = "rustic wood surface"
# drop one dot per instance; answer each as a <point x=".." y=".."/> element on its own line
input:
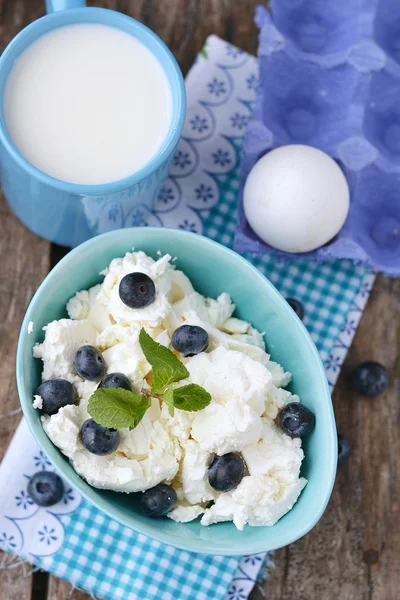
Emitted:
<point x="354" y="552"/>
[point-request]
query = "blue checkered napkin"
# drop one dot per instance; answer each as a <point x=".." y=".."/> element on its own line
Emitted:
<point x="115" y="563"/>
<point x="73" y="539"/>
<point x="77" y="542"/>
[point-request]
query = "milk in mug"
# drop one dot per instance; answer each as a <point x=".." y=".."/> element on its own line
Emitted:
<point x="88" y="104"/>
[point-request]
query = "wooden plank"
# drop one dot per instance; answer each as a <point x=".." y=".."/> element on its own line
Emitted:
<point x="15" y="15"/>
<point x="24" y="264"/>
<point x="185" y="24"/>
<point x="354" y="552"/>
<point x="15" y="581"/>
<point x="61" y="590"/>
<point x="40" y="585"/>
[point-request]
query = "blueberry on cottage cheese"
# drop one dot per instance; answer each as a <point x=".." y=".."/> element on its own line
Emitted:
<point x="55" y="394"/>
<point x="190" y="340"/>
<point x="370" y="379"/>
<point x="226" y="472"/>
<point x="89" y="363"/>
<point x="296" y="419"/>
<point x="159" y="500"/>
<point x="344" y="449"/>
<point x="45" y="488"/>
<point x="137" y="290"/>
<point x="97" y="439"/>
<point x="116" y="380"/>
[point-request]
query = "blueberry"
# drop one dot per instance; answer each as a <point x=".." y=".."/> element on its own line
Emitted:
<point x="344" y="449"/>
<point x="116" y="380"/>
<point x="98" y="439"/>
<point x="226" y="472"/>
<point x="296" y="306"/>
<point x="159" y="500"/>
<point x="370" y="378"/>
<point x="137" y="290"/>
<point x="89" y="363"/>
<point x="56" y="393"/>
<point x="45" y="488"/>
<point x="190" y="340"/>
<point x="296" y="419"/>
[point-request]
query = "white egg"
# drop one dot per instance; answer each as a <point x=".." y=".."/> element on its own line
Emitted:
<point x="296" y="198"/>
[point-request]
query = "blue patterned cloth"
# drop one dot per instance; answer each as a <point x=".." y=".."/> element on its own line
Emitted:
<point x="74" y="540"/>
<point x="330" y="78"/>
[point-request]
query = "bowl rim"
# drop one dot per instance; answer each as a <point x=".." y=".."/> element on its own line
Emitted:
<point x="90" y="493"/>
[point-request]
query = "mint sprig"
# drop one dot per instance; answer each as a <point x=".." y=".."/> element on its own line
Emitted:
<point x="168" y="398"/>
<point x="167" y="368"/>
<point x="190" y="397"/>
<point x="118" y="408"/>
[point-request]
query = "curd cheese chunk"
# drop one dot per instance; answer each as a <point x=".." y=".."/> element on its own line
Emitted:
<point x="179" y="425"/>
<point x="85" y="305"/>
<point x="273" y="484"/>
<point x="251" y="337"/>
<point x="276" y="399"/>
<point x="122" y="352"/>
<point x="175" y="448"/>
<point x="215" y="312"/>
<point x="193" y="474"/>
<point x="144" y="458"/>
<point x="274" y="454"/>
<point x="227" y="374"/>
<point x="37" y="402"/>
<point x="235" y="326"/>
<point x="185" y="513"/>
<point x="238" y="386"/>
<point x="226" y="428"/>
<point x="180" y="286"/>
<point x="220" y="338"/>
<point x="158" y="271"/>
<point x="62" y="339"/>
<point x="257" y="500"/>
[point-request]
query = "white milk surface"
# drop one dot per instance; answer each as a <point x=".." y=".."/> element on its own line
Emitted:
<point x="88" y="104"/>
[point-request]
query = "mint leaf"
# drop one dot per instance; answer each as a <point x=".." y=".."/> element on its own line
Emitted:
<point x="117" y="408"/>
<point x="191" y="397"/>
<point x="167" y="368"/>
<point x="168" y="398"/>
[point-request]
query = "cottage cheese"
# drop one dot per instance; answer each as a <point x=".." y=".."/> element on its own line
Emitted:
<point x="238" y="386"/>
<point x="37" y="402"/>
<point x="193" y="473"/>
<point x="246" y="387"/>
<point x="159" y="271"/>
<point x="273" y="484"/>
<point x="145" y="456"/>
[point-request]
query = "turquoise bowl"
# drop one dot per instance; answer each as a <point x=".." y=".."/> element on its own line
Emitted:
<point x="212" y="269"/>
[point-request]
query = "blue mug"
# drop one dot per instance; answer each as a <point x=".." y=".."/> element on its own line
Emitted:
<point x="67" y="213"/>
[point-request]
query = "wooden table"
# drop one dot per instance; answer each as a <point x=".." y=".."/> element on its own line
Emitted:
<point x="354" y="552"/>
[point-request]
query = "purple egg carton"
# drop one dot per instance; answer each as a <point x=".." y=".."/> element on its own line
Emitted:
<point x="330" y="78"/>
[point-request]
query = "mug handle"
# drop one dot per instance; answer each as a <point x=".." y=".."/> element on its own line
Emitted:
<point x="56" y="5"/>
